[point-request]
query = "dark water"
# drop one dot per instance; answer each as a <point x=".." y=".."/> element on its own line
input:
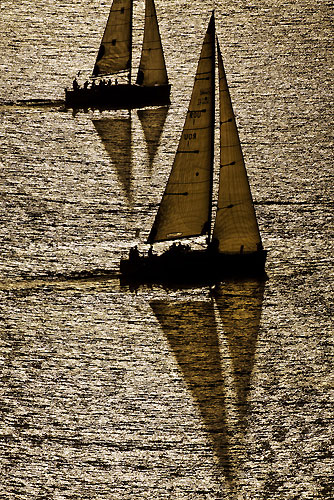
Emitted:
<point x="111" y="393"/>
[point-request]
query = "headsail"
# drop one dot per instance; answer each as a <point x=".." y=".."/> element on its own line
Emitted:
<point x="152" y="67"/>
<point x="186" y="204"/>
<point x="235" y="226"/>
<point x="116" y="45"/>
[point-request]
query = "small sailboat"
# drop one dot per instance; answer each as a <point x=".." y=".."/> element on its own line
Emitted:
<point x="115" y="57"/>
<point x="234" y="247"/>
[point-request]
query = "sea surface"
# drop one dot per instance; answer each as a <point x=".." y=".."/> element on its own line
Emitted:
<point x="111" y="392"/>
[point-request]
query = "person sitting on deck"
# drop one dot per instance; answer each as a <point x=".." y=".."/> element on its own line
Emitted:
<point x="134" y="254"/>
<point x="178" y="249"/>
<point x="75" y="84"/>
<point x="86" y="85"/>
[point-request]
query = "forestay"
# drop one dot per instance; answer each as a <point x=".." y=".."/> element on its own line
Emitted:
<point x="186" y="204"/>
<point x="116" y="46"/>
<point x="152" y="67"/>
<point x="235" y="226"/>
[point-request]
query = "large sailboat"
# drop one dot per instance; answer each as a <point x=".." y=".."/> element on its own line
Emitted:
<point x="115" y="58"/>
<point x="234" y="247"/>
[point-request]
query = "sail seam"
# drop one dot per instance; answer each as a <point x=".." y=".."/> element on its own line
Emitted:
<point x="118" y="41"/>
<point x="196" y="151"/>
<point x="228" y="164"/>
<point x="177" y="194"/>
<point x="197" y="128"/>
<point x="189" y="182"/>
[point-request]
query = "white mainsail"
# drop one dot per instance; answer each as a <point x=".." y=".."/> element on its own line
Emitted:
<point x="235" y="226"/>
<point x="152" y="67"/>
<point x="185" y="208"/>
<point x="116" y="45"/>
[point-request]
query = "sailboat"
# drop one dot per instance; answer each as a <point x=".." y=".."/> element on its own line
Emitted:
<point x="115" y="57"/>
<point x="234" y="247"/>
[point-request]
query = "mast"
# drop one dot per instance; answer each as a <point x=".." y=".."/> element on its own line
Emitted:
<point x="131" y="30"/>
<point x="185" y="207"/>
<point x="213" y="86"/>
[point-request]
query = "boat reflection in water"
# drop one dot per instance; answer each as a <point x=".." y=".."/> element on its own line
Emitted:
<point x="116" y="137"/>
<point x="209" y="359"/>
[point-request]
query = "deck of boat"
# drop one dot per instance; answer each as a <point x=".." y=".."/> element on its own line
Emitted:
<point x="121" y="96"/>
<point x="193" y="266"/>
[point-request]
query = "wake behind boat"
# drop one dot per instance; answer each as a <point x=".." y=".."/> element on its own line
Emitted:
<point x="115" y="57"/>
<point x="234" y="247"/>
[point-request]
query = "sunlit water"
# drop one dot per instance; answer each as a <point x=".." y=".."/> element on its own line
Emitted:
<point x="113" y="393"/>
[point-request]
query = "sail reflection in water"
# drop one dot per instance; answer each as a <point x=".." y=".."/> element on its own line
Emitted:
<point x="115" y="134"/>
<point x="116" y="137"/>
<point x="239" y="306"/>
<point x="192" y="330"/>
<point x="152" y="121"/>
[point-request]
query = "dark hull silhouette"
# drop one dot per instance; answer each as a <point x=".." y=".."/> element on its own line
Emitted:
<point x="122" y="96"/>
<point x="196" y="266"/>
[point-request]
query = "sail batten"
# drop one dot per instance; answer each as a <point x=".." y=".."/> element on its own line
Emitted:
<point x="189" y="215"/>
<point x="152" y="66"/>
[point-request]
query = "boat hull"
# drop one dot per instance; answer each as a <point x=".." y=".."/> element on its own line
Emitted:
<point x="122" y="96"/>
<point x="194" y="266"/>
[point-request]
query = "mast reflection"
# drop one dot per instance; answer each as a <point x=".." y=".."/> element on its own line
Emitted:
<point x="115" y="134"/>
<point x="190" y="329"/>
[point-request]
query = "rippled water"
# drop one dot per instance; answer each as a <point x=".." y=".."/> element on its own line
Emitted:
<point x="114" y="393"/>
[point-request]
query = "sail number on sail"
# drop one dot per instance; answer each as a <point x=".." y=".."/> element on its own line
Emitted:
<point x="188" y="137"/>
<point x="196" y="114"/>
